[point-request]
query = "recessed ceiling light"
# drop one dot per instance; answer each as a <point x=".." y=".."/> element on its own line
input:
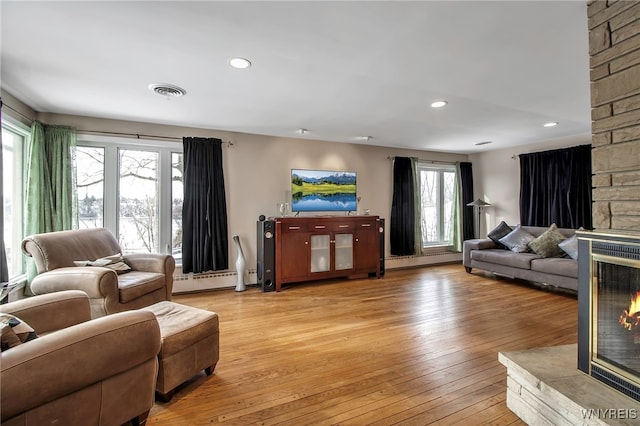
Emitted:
<point x="240" y="63"/>
<point x="168" y="90"/>
<point x="438" y="104"/>
<point x="550" y="124"/>
<point x="483" y="143"/>
<point x="365" y="138"/>
<point x="303" y="131"/>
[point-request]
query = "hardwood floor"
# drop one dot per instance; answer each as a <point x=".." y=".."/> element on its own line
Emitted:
<point x="417" y="347"/>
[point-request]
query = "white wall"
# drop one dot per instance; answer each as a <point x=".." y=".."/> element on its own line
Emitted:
<point x="496" y="179"/>
<point x="258" y="171"/>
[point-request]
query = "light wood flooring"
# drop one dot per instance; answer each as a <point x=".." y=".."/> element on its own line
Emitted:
<point x="417" y="347"/>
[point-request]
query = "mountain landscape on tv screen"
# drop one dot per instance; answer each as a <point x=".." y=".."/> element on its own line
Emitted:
<point x="316" y="190"/>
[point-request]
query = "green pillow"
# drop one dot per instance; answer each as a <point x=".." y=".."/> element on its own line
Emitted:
<point x="546" y="245"/>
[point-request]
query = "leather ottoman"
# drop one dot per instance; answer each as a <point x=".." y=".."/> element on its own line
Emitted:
<point x="190" y="343"/>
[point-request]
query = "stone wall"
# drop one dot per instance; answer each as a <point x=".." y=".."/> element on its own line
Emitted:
<point x="614" y="48"/>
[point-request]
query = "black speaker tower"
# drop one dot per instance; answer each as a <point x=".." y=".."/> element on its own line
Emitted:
<point x="266" y="267"/>
<point x="381" y="231"/>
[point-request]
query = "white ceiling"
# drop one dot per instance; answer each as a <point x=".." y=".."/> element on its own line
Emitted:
<point x="340" y="69"/>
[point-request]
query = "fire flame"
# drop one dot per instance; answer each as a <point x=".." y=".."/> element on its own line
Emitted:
<point x="631" y="318"/>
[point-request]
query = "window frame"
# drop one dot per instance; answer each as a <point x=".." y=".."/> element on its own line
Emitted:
<point x="441" y="169"/>
<point x="18" y="185"/>
<point x="164" y="149"/>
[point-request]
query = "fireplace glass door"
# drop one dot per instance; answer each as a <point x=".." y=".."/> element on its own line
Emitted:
<point x="616" y="316"/>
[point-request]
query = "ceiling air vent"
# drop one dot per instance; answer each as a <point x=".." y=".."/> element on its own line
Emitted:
<point x="167" y="90"/>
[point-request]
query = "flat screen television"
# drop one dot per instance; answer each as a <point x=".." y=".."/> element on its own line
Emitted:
<point x="323" y="191"/>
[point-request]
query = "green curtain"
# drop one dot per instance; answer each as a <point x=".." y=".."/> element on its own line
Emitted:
<point x="50" y="196"/>
<point x="456" y="223"/>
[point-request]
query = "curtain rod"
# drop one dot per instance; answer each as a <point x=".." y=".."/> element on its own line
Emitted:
<point x="450" y="163"/>
<point x="29" y="119"/>
<point x="100" y="132"/>
<point x="143" y="136"/>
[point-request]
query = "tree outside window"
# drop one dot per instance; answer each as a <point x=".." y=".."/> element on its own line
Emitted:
<point x="123" y="188"/>
<point x="437" y="186"/>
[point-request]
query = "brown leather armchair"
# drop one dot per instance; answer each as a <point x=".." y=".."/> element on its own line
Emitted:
<point x="78" y="371"/>
<point x="55" y="253"/>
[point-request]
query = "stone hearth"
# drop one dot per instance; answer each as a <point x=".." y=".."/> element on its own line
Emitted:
<point x="545" y="387"/>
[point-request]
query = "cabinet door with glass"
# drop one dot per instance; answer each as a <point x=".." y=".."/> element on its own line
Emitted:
<point x="343" y="252"/>
<point x="320" y="253"/>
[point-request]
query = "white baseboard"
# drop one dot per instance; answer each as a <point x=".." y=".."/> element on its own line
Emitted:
<point x="399" y="262"/>
<point x="187" y="283"/>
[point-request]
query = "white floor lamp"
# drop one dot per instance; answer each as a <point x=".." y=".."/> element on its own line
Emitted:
<point x="478" y="205"/>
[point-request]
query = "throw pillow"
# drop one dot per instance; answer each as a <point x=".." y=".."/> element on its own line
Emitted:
<point x="498" y="232"/>
<point x="14" y="331"/>
<point x="570" y="245"/>
<point x="546" y="245"/>
<point x="114" y="262"/>
<point x="517" y="240"/>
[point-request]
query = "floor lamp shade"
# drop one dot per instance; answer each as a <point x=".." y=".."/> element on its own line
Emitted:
<point x="478" y="205"/>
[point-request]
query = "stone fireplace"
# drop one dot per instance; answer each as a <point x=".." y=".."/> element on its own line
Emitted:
<point x="543" y="385"/>
<point x="609" y="309"/>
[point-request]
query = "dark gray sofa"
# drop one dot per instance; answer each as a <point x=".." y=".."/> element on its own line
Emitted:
<point x="561" y="272"/>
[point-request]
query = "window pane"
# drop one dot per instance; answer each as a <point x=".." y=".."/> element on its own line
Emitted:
<point x="437" y="188"/>
<point x="449" y="179"/>
<point x="176" y="205"/>
<point x="90" y="183"/>
<point x="429" y="191"/>
<point x="138" y="218"/>
<point x="12" y="144"/>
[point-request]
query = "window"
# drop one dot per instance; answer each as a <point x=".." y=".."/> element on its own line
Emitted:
<point x="90" y="186"/>
<point x="437" y="187"/>
<point x="177" y="169"/>
<point x="133" y="189"/>
<point x="138" y="201"/>
<point x="14" y="140"/>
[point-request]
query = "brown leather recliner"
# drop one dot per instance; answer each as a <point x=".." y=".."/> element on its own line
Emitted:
<point x="55" y="253"/>
<point x="78" y="371"/>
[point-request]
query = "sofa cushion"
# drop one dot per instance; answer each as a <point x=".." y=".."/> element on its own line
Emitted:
<point x="546" y="245"/>
<point x="504" y="257"/>
<point x="137" y="283"/>
<point x="14" y="331"/>
<point x="498" y="232"/>
<point x="556" y="266"/>
<point x="517" y="240"/>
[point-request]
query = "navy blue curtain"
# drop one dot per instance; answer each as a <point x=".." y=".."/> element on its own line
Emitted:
<point x="555" y="187"/>
<point x="402" y="229"/>
<point x="204" y="213"/>
<point x="468" y="219"/>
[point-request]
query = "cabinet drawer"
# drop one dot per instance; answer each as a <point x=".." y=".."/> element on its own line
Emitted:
<point x="319" y="227"/>
<point x="294" y="227"/>
<point x="367" y="225"/>
<point x="343" y="226"/>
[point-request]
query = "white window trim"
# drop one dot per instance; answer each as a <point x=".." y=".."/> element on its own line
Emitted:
<point x="19" y="182"/>
<point x="111" y="144"/>
<point x="425" y="165"/>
